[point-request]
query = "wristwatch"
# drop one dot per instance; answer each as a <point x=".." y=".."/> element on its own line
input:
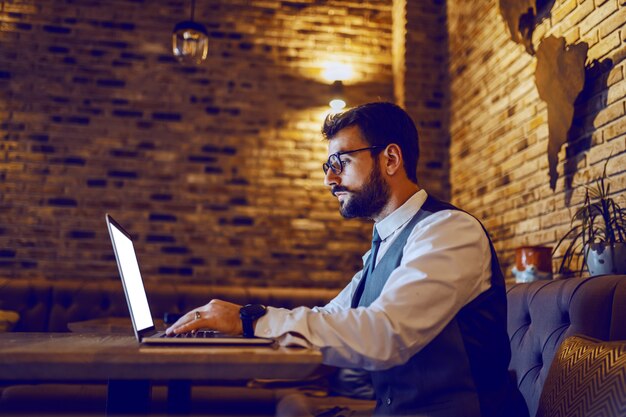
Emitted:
<point x="249" y="314"/>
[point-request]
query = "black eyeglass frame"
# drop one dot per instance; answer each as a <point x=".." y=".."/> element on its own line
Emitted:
<point x="328" y="165"/>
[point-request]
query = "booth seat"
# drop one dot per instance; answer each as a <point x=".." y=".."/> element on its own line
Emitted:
<point x="542" y="315"/>
<point x="49" y="306"/>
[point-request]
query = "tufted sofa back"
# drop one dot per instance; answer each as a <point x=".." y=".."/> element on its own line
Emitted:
<point x="50" y="305"/>
<point x="541" y="314"/>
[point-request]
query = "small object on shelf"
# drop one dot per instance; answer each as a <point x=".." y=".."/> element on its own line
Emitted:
<point x="532" y="263"/>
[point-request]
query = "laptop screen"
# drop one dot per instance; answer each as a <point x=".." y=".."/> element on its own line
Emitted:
<point x="131" y="278"/>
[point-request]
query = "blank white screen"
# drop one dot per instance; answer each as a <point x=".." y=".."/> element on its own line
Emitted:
<point x="132" y="280"/>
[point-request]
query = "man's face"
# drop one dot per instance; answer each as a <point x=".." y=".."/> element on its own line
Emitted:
<point x="360" y="187"/>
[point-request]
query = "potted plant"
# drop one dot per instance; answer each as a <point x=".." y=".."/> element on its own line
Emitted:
<point x="597" y="233"/>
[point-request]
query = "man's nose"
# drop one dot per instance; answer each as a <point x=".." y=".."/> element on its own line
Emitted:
<point x="330" y="178"/>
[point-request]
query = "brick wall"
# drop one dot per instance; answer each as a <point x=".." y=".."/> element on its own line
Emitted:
<point x="215" y="168"/>
<point x="499" y="131"/>
<point x="421" y="85"/>
<point x="427" y="94"/>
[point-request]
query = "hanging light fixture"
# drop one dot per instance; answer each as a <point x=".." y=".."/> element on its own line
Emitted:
<point x="190" y="40"/>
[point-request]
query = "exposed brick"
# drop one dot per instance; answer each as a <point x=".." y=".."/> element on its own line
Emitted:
<point x="617" y="128"/>
<point x="161" y="197"/>
<point x="110" y="83"/>
<point x="608" y="114"/>
<point x="170" y="270"/>
<point x="203" y="159"/>
<point x="63" y="202"/>
<point x="56" y="29"/>
<point x="72" y="160"/>
<point x="7" y="253"/>
<point x="425" y="101"/>
<point x="96" y="183"/>
<point x="160" y="239"/>
<point x="572" y="36"/>
<point x="562" y="9"/>
<point x="122" y="126"/>
<point x="602" y="49"/>
<point x="175" y="249"/>
<point x="615" y="75"/>
<point x="43" y="149"/>
<point x="488" y="173"/>
<point x="616" y="92"/>
<point x="167" y="117"/>
<point x="58" y="50"/>
<point x="583" y="10"/>
<point x="123" y="174"/>
<point x="127" y="113"/>
<point x="613" y="22"/>
<point x="159" y="217"/>
<point x="81" y="234"/>
<point x="600" y="14"/>
<point x="196" y="261"/>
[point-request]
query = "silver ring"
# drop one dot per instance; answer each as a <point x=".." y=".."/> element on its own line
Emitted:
<point x="197" y="315"/>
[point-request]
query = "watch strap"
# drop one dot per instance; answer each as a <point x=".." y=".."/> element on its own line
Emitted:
<point x="249" y="314"/>
<point x="248" y="328"/>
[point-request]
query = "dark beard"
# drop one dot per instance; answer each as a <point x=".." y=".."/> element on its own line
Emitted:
<point x="368" y="201"/>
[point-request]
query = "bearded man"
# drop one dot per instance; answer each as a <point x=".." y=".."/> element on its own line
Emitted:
<point x="426" y="316"/>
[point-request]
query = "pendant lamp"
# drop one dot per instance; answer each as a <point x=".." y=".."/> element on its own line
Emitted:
<point x="190" y="40"/>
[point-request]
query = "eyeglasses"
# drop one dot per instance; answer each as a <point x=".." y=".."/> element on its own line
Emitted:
<point x="335" y="163"/>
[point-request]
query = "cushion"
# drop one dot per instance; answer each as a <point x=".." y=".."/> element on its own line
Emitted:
<point x="544" y="313"/>
<point x="587" y="378"/>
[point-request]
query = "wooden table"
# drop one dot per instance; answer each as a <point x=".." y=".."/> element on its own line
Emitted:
<point x="130" y="368"/>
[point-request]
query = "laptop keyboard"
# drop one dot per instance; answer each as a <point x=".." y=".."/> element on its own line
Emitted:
<point x="198" y="334"/>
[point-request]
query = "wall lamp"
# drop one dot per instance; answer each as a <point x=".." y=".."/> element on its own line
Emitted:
<point x="337" y="102"/>
<point x="190" y="40"/>
<point x="336" y="73"/>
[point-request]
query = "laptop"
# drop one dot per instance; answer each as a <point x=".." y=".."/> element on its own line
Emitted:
<point x="139" y="309"/>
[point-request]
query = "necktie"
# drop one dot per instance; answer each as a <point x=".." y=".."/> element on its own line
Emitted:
<point x="371" y="264"/>
<point x="374" y="253"/>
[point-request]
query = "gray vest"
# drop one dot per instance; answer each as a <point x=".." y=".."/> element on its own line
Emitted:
<point x="463" y="371"/>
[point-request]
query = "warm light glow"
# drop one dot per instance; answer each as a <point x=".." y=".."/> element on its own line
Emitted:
<point x="333" y="71"/>
<point x="337" y="104"/>
<point x="190" y="42"/>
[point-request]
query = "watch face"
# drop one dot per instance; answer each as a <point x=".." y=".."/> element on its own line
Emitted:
<point x="252" y="311"/>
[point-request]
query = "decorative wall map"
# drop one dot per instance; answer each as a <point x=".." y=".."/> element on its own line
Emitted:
<point x="519" y="16"/>
<point x="560" y="77"/>
<point x="560" y="72"/>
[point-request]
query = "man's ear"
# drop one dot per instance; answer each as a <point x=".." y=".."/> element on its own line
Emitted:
<point x="393" y="159"/>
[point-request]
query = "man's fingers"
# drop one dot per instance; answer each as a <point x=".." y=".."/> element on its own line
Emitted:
<point x="184" y="328"/>
<point x="190" y="321"/>
<point x="216" y="315"/>
<point x="187" y="327"/>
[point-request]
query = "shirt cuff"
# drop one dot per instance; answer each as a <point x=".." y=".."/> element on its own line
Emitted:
<point x="275" y="324"/>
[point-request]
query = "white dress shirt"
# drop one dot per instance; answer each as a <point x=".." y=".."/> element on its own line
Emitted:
<point x="445" y="264"/>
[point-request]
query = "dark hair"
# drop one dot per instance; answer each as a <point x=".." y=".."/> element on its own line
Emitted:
<point x="381" y="124"/>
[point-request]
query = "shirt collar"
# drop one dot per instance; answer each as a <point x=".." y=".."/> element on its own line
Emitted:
<point x="401" y="215"/>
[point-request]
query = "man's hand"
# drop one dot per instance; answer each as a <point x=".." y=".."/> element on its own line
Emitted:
<point x="217" y="315"/>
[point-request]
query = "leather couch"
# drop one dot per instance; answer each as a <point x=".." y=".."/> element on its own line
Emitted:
<point x="542" y="314"/>
<point x="45" y="305"/>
